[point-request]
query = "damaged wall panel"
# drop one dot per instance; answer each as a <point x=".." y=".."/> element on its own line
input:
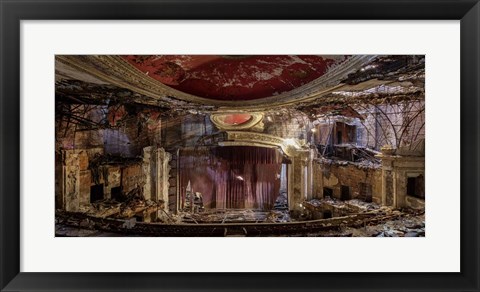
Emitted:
<point x="333" y="175"/>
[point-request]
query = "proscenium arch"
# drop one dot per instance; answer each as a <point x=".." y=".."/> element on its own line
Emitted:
<point x="295" y="150"/>
<point x="185" y="171"/>
<point x="289" y="146"/>
<point x="208" y="177"/>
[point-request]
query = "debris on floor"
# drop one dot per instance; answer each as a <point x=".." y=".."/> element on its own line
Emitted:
<point x="131" y="205"/>
<point x="322" y="218"/>
<point x="388" y="222"/>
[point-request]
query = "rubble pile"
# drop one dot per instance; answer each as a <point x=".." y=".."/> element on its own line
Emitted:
<point x="353" y="218"/>
<point x="386" y="222"/>
<point x="362" y="163"/>
<point x="130" y="205"/>
<point x="362" y="205"/>
<point x="281" y="203"/>
<point x="368" y="164"/>
<point x="236" y="216"/>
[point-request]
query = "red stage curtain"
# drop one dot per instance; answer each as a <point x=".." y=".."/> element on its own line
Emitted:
<point x="232" y="177"/>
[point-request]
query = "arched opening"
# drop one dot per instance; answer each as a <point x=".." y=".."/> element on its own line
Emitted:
<point x="232" y="177"/>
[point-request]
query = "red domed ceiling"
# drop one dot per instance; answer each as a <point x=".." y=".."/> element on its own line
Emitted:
<point x="234" y="77"/>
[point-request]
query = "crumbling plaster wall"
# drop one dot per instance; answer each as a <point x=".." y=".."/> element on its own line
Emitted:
<point x="334" y="175"/>
<point x="74" y="178"/>
<point x="132" y="177"/>
<point x="287" y="127"/>
<point x="156" y="170"/>
<point x="121" y="131"/>
<point x="388" y="183"/>
<point x="395" y="171"/>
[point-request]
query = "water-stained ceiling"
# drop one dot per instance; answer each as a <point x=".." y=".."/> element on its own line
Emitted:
<point x="237" y="82"/>
<point x="235" y="78"/>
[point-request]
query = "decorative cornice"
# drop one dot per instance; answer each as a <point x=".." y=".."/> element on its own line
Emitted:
<point x="291" y="147"/>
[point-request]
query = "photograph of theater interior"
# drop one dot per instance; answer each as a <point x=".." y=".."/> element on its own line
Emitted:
<point x="240" y="145"/>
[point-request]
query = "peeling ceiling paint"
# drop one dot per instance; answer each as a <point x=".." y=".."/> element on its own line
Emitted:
<point x="235" y="77"/>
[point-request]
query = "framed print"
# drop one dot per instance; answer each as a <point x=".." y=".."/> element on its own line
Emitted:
<point x="201" y="146"/>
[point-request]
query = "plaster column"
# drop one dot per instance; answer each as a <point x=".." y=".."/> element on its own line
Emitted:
<point x="309" y="190"/>
<point x="296" y="184"/>
<point x="71" y="181"/>
<point x="395" y="187"/>
<point x="163" y="172"/>
<point x="147" y="166"/>
<point x="387" y="173"/>
<point x="291" y="177"/>
<point x="297" y="180"/>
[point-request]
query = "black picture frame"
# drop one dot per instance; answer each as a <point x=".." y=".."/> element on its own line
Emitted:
<point x="13" y="11"/>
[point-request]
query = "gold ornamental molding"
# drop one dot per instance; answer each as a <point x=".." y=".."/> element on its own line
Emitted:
<point x="254" y="122"/>
<point x="115" y="70"/>
<point x="290" y="146"/>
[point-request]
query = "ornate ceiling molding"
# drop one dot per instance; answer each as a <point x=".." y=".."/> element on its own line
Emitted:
<point x="114" y="69"/>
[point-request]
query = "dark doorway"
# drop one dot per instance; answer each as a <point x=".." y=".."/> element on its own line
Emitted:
<point x="327" y="214"/>
<point x="345" y="193"/>
<point x="96" y="193"/>
<point x="327" y="192"/>
<point x="411" y="182"/>
<point x="339" y="137"/>
<point x="116" y="193"/>
<point x="416" y="187"/>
